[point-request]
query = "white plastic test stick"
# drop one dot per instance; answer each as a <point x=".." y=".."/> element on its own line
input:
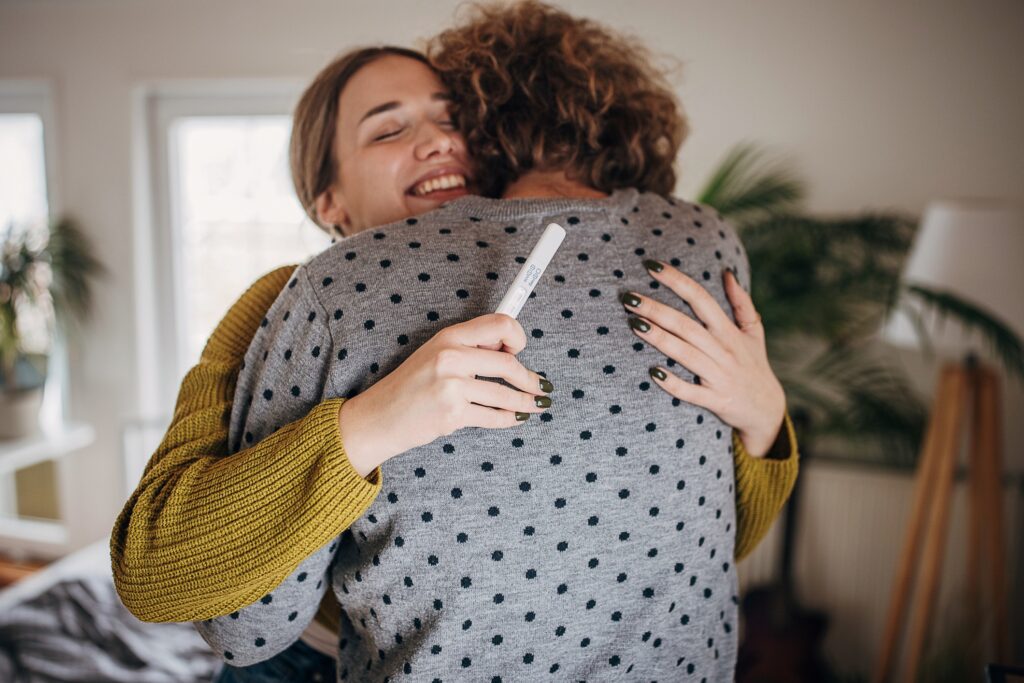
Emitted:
<point x="524" y="283"/>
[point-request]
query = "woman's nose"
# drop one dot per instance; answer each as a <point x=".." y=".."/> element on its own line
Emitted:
<point x="434" y="140"/>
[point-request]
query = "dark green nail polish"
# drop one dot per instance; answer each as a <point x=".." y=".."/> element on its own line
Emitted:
<point x="653" y="265"/>
<point x="546" y="386"/>
<point x="542" y="402"/>
<point x="630" y="299"/>
<point x="522" y="417"/>
<point x="658" y="373"/>
<point x="638" y="324"/>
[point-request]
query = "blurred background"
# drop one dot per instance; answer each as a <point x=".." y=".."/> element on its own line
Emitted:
<point x="870" y="153"/>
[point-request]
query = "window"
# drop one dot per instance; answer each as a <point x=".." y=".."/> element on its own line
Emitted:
<point x="23" y="201"/>
<point x="27" y="203"/>
<point x="24" y="208"/>
<point x="29" y="493"/>
<point x="236" y="213"/>
<point x="220" y="212"/>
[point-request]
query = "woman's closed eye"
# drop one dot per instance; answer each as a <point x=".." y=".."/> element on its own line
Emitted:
<point x="387" y="134"/>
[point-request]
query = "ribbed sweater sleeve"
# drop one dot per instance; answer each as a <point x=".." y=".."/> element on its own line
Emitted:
<point x="762" y="486"/>
<point x="206" y="533"/>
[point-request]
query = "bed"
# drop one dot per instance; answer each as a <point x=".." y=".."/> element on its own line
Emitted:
<point x="66" y="623"/>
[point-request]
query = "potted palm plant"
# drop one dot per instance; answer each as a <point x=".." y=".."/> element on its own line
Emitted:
<point x="823" y="286"/>
<point x="45" y="286"/>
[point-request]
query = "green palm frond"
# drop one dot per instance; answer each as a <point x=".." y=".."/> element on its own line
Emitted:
<point x="1000" y="339"/>
<point x="861" y="398"/>
<point x="53" y="276"/>
<point x="832" y="282"/>
<point x="825" y="277"/>
<point x="744" y="188"/>
<point x="877" y="405"/>
<point x="73" y="266"/>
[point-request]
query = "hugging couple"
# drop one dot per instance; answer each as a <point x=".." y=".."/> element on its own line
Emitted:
<point x="370" y="475"/>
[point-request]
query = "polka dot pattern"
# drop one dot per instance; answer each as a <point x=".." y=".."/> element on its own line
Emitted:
<point x="590" y="541"/>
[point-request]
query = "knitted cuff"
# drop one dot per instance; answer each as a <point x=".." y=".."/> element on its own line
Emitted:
<point x="762" y="487"/>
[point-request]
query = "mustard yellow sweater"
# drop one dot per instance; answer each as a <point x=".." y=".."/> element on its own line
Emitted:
<point x="206" y="533"/>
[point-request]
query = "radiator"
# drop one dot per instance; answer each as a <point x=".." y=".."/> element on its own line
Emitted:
<point x="850" y="534"/>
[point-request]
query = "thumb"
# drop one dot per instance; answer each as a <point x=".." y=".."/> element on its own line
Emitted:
<point x="493" y="331"/>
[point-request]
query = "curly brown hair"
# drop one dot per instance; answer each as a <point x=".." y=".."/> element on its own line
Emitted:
<point x="537" y="88"/>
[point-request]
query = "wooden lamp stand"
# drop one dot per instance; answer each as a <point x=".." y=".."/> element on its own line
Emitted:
<point x="963" y="387"/>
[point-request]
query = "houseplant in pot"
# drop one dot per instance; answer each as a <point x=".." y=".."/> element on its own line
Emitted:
<point x="45" y="286"/>
<point x="823" y="285"/>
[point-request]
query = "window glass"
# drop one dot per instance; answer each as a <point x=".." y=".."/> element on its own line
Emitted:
<point x="235" y="213"/>
<point x="23" y="171"/>
<point x="23" y="208"/>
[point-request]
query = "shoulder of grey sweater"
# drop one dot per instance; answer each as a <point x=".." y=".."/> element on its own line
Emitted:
<point x="296" y="326"/>
<point x="709" y="218"/>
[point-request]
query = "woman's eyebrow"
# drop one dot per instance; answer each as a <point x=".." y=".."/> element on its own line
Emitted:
<point x="379" y="109"/>
<point x="394" y="104"/>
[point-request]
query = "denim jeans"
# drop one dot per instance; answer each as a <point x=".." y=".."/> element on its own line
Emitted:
<point x="299" y="662"/>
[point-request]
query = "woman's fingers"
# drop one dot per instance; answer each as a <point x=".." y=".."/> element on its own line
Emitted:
<point x="689" y="392"/>
<point x="470" y="362"/>
<point x="492" y="330"/>
<point x="700" y="300"/>
<point x="747" y="318"/>
<point x="494" y="395"/>
<point x="679" y="350"/>
<point x="489" y="418"/>
<point x="675" y="323"/>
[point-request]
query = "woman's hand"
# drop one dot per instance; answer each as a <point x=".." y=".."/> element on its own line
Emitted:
<point x="730" y="360"/>
<point x="435" y="392"/>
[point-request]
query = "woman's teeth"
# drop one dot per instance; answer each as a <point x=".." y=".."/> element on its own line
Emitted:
<point x="445" y="182"/>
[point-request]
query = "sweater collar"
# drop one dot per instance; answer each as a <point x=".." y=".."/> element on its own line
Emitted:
<point x="484" y="208"/>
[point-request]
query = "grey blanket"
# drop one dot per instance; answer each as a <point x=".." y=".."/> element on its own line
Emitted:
<point x="78" y="630"/>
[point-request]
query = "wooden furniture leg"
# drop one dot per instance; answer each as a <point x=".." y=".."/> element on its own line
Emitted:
<point x="938" y="521"/>
<point x="961" y="386"/>
<point x="988" y="421"/>
<point x="925" y="484"/>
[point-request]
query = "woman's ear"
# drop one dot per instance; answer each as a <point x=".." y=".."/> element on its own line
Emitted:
<point x="330" y="209"/>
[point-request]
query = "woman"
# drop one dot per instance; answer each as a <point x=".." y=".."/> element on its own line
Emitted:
<point x="288" y="437"/>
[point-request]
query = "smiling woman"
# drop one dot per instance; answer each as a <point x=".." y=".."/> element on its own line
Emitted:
<point x="371" y="142"/>
<point x="387" y="148"/>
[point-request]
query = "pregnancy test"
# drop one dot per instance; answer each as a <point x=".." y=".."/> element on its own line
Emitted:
<point x="524" y="283"/>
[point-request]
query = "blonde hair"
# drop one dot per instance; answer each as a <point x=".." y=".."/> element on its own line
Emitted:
<point x="311" y="148"/>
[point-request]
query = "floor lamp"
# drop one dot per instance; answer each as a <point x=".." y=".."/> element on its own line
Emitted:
<point x="960" y="248"/>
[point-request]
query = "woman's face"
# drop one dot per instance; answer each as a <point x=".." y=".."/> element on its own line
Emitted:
<point x="397" y="149"/>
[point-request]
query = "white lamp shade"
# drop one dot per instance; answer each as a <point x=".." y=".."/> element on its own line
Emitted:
<point x="973" y="249"/>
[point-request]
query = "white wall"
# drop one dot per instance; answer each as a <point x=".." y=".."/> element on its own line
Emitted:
<point x="882" y="105"/>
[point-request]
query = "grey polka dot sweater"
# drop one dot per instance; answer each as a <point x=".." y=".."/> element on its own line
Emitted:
<point x="592" y="542"/>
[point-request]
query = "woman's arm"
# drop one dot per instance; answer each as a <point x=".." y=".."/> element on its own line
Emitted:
<point x="285" y="375"/>
<point x="762" y="486"/>
<point x="259" y="631"/>
<point x="169" y="544"/>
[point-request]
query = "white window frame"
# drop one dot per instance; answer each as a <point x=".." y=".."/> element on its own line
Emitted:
<point x="24" y="96"/>
<point x="20" y="535"/>
<point x="160" y="332"/>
